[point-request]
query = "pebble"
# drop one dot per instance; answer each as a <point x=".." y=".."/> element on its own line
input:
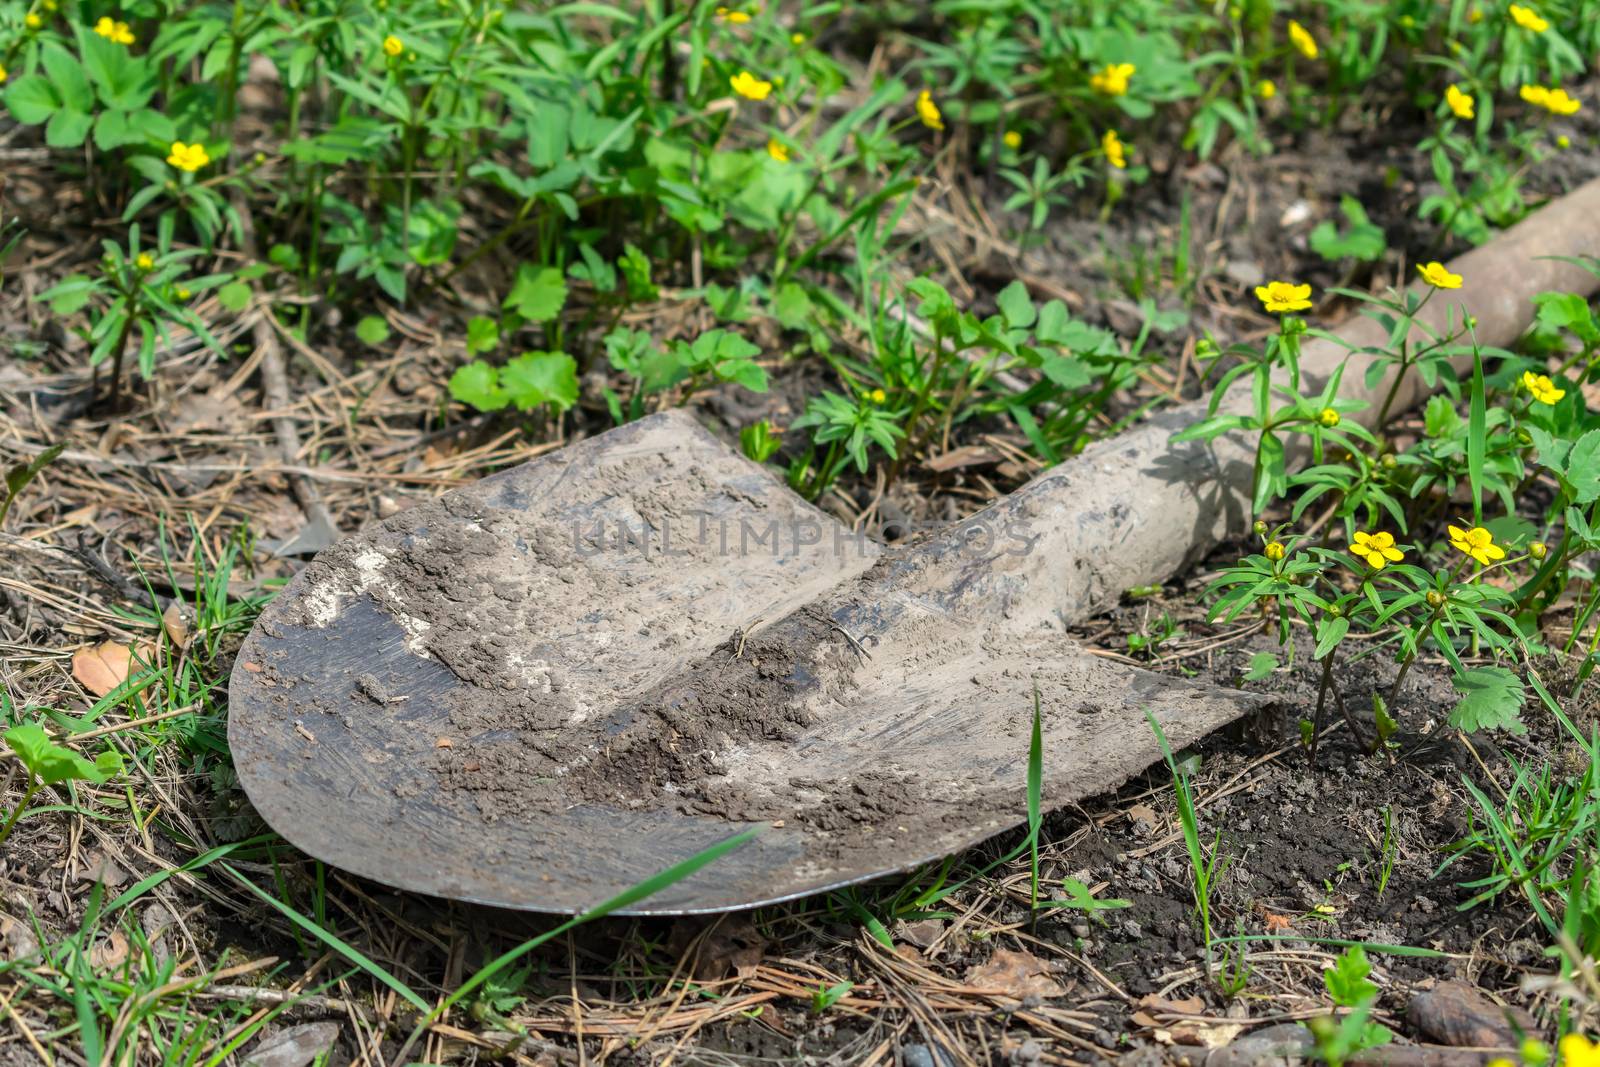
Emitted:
<point x="923" y="1056"/>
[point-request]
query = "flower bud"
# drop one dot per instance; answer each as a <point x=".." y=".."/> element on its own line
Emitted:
<point x="1524" y="437"/>
<point x="1260" y="528"/>
<point x="1328" y="417"/>
<point x="1274" y="550"/>
<point x="1435" y="599"/>
<point x="1389" y="462"/>
<point x="1335" y="611"/>
<point x="1538" y="550"/>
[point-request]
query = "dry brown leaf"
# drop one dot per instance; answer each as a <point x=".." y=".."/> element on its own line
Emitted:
<point x="1206" y="1035"/>
<point x="176" y="625"/>
<point x="101" y="668"/>
<point x="109" y="953"/>
<point x="1274" y="921"/>
<point x="1016" y="974"/>
<point x="1144" y="817"/>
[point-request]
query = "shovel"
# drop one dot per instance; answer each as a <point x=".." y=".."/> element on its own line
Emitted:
<point x="541" y="689"/>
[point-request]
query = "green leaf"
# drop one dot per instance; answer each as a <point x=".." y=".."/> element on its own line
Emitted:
<point x="1016" y="306"/>
<point x="1330" y="631"/>
<point x="1583" y="468"/>
<point x="536" y="378"/>
<point x="1491" y="699"/>
<point x="372" y="330"/>
<point x="1347" y="982"/>
<point x="67" y="129"/>
<point x="32" y="99"/>
<point x="478" y="385"/>
<point x="1362" y="241"/>
<point x="235" y="296"/>
<point x="66" y="74"/>
<point x="538" y="294"/>
<point x="792" y="306"/>
<point x="1262" y="664"/>
<point x="483" y="335"/>
<point x="70" y="294"/>
<point x="51" y="763"/>
<point x="1079" y="898"/>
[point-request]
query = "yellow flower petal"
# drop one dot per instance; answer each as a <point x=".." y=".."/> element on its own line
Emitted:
<point x="749" y="86"/>
<point x="1302" y="40"/>
<point x="1284" y="296"/>
<point x="1438" y="276"/>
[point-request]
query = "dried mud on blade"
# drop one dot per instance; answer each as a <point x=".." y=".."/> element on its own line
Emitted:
<point x="543" y="688"/>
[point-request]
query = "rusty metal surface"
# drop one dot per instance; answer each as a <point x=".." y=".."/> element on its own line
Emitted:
<point x="350" y="779"/>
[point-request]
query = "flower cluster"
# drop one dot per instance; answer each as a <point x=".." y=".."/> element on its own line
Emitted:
<point x="114" y="31"/>
<point x="1112" y="79"/>
<point x="1553" y="99"/>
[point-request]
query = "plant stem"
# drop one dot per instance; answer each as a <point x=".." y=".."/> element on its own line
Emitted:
<point x="1322" y="700"/>
<point x="116" y="360"/>
<point x="16" y="813"/>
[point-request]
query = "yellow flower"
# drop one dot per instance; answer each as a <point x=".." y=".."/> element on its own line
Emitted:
<point x="1115" y="150"/>
<point x="1542" y="388"/>
<point x="1012" y="139"/>
<point x="1436" y="275"/>
<point x="145" y="261"/>
<point x="1112" y="79"/>
<point x="1554" y="99"/>
<point x="3" y="74"/>
<point x="1477" y="543"/>
<point x="928" y="111"/>
<point x="1274" y="550"/>
<point x="1377" y="549"/>
<point x="1284" y="296"/>
<point x="1579" y="1051"/>
<point x="32" y="21"/>
<point x="735" y="17"/>
<point x="878" y="396"/>
<point x="777" y="150"/>
<point x="188" y="157"/>
<point x="1266" y="88"/>
<point x="1460" y="102"/>
<point x="1328" y="417"/>
<point x="1500" y="1061"/>
<point x="749" y="86"/>
<point x="113" y="31"/>
<point x="797" y="38"/>
<point x="1557" y="102"/>
<point x="393" y="46"/>
<point x="1528" y="18"/>
<point x="1302" y="40"/>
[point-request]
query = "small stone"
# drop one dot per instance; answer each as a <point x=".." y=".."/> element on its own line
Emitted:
<point x="294" y="1047"/>
<point x="1245" y="272"/>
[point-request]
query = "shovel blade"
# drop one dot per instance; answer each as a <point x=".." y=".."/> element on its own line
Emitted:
<point x="544" y="688"/>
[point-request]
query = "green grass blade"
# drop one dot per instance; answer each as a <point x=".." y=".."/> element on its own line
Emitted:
<point x="1477" y="437"/>
<point x="650" y="886"/>
<point x="1035" y="798"/>
<point x="333" y="942"/>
